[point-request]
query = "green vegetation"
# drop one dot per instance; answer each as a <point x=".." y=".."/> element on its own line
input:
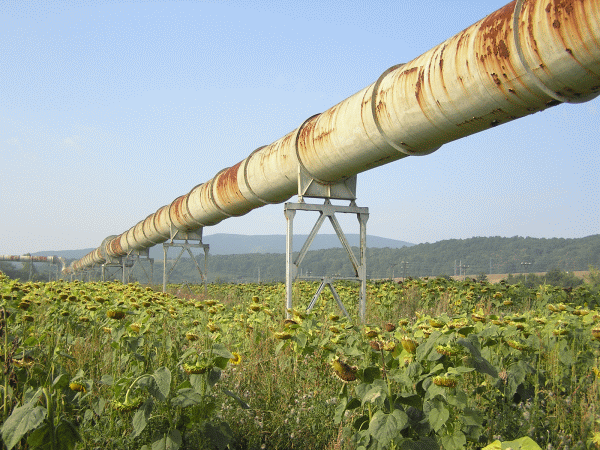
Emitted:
<point x="505" y="255"/>
<point x="438" y="364"/>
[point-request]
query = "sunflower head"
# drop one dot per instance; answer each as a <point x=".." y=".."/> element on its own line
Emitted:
<point x="237" y="358"/>
<point x="343" y="370"/>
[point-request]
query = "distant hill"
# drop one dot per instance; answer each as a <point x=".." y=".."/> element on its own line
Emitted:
<point x="247" y="255"/>
<point x="237" y="244"/>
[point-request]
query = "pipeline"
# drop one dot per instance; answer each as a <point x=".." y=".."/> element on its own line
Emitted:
<point x="56" y="260"/>
<point x="524" y="58"/>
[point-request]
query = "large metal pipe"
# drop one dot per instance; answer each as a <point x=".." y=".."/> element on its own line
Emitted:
<point x="525" y="57"/>
<point x="56" y="260"/>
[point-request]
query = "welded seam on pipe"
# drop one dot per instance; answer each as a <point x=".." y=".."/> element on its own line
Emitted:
<point x="247" y="183"/>
<point x="211" y="194"/>
<point x="534" y="78"/>
<point x="300" y="163"/>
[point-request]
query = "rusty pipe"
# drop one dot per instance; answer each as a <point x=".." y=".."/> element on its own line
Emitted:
<point x="525" y="57"/>
<point x="56" y="260"/>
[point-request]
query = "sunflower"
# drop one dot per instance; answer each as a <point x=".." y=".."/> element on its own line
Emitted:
<point x="77" y="387"/>
<point x="343" y="370"/>
<point x="282" y="335"/>
<point x="410" y="345"/>
<point x="237" y="358"/>
<point x="115" y="314"/>
<point x="445" y="381"/>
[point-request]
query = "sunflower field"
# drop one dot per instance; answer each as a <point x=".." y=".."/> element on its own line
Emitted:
<point x="438" y="364"/>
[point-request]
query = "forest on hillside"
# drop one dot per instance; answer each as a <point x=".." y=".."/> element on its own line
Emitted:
<point x="473" y="256"/>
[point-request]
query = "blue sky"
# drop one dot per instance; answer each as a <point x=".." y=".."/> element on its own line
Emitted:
<point x="110" y="110"/>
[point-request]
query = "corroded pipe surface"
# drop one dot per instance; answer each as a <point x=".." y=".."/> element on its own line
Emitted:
<point x="527" y="56"/>
<point x="57" y="260"/>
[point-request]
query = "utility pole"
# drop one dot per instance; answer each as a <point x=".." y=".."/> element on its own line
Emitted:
<point x="404" y="264"/>
<point x="463" y="270"/>
<point x="525" y="270"/>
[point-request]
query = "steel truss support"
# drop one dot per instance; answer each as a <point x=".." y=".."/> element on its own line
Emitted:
<point x="182" y="240"/>
<point x="308" y="187"/>
<point x="136" y="257"/>
<point x="110" y="269"/>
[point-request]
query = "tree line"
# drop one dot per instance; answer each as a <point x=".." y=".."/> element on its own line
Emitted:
<point x="478" y="255"/>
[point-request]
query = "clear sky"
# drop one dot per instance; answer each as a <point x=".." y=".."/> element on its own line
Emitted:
<point x="112" y="109"/>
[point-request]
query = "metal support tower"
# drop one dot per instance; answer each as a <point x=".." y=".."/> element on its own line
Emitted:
<point x="182" y="240"/>
<point x="344" y="190"/>
<point x="111" y="268"/>
<point x="136" y="257"/>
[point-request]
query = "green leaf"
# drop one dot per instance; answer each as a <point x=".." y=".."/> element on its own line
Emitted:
<point x="524" y="443"/>
<point x="187" y="397"/>
<point x="221" y="362"/>
<point x="460" y="370"/>
<point x="340" y="409"/>
<point x="162" y="377"/>
<point x="385" y="427"/>
<point x="61" y="381"/>
<point x="219" y="434"/>
<point x="98" y="405"/>
<point x="477" y="361"/>
<point x="471" y="417"/>
<point x="362" y="423"/>
<point x="221" y="350"/>
<point x="39" y="436"/>
<point x="376" y="392"/>
<point x="107" y="380"/>
<point x="234" y="396"/>
<point x="169" y="441"/>
<point x="437" y="414"/>
<point x="214" y="375"/>
<point x="279" y="347"/>
<point x="67" y="435"/>
<point x="300" y="340"/>
<point x="141" y="417"/>
<point x="409" y="399"/>
<point x="23" y="419"/>
<point x="456" y="440"/>
<point x="369" y="374"/>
